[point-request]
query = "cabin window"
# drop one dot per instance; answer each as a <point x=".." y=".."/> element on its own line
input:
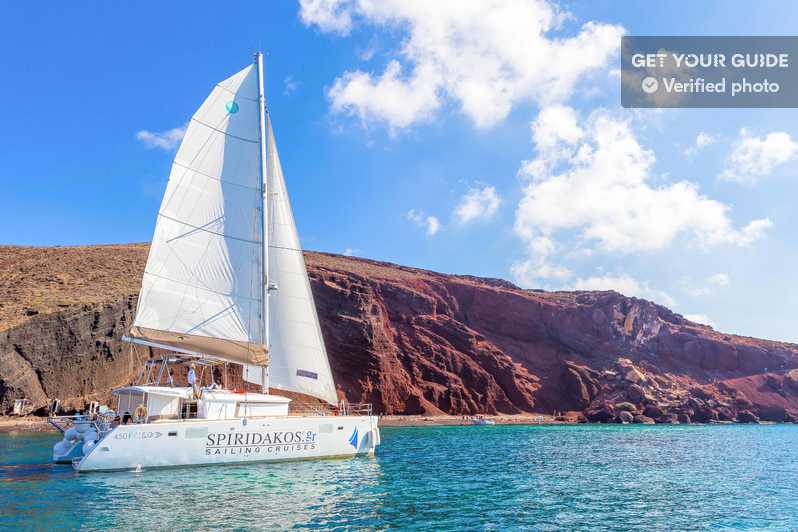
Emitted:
<point x="189" y="410"/>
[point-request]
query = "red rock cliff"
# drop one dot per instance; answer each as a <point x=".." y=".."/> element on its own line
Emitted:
<point x="413" y="341"/>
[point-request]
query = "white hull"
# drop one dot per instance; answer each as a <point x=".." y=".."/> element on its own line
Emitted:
<point x="207" y="442"/>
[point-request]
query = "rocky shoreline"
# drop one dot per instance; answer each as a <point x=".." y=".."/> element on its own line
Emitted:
<point x="412" y="343"/>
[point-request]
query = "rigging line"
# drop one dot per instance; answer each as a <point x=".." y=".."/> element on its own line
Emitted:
<point x="245" y="240"/>
<point x="195" y="229"/>
<point x="225" y="133"/>
<point x="286" y="248"/>
<point x="210" y="318"/>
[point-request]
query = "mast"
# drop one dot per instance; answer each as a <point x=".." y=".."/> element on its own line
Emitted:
<point x="264" y="218"/>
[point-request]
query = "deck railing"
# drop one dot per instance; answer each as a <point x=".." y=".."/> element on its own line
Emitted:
<point x="343" y="409"/>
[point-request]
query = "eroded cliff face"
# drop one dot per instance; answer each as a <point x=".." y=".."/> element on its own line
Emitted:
<point x="412" y="341"/>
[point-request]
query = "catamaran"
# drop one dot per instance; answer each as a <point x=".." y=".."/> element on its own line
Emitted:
<point x="225" y="284"/>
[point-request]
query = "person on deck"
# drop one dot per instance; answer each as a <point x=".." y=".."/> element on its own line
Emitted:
<point x="192" y="378"/>
<point x="170" y="378"/>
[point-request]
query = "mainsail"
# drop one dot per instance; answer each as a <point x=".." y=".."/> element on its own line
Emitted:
<point x="203" y="291"/>
<point x="202" y="288"/>
<point x="297" y="357"/>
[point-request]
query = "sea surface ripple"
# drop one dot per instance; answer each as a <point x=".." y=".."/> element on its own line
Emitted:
<point x="586" y="477"/>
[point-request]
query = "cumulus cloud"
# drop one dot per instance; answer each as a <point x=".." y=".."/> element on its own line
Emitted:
<point x="431" y="224"/>
<point x="592" y="183"/>
<point x="753" y="158"/>
<point x="485" y="57"/>
<point x="165" y="140"/>
<point x="350" y="252"/>
<point x="477" y="204"/>
<point x="626" y="285"/>
<point x="332" y="16"/>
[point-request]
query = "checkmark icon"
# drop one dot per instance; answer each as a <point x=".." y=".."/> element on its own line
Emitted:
<point x="649" y="85"/>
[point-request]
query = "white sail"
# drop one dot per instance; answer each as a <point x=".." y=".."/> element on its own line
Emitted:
<point x="202" y="288"/>
<point x="297" y="357"/>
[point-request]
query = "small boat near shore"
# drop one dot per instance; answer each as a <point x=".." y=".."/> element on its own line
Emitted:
<point x="225" y="284"/>
<point x="482" y="420"/>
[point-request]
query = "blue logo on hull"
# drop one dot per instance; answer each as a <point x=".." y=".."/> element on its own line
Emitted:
<point x="353" y="438"/>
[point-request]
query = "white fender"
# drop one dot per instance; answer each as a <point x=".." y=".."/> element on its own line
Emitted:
<point x="88" y="446"/>
<point x="61" y="448"/>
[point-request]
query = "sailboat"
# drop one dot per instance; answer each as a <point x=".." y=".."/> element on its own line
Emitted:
<point x="225" y="285"/>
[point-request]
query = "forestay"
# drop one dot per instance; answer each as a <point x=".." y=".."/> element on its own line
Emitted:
<point x="202" y="288"/>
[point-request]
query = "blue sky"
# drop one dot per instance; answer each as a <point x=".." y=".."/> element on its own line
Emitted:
<point x="371" y="154"/>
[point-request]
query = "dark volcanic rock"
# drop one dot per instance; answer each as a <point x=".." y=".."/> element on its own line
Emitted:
<point x="625" y="417"/>
<point x="746" y="416"/>
<point x="601" y="414"/>
<point x="653" y="411"/>
<point x="643" y="419"/>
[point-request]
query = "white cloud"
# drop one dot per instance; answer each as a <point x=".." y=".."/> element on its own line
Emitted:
<point x="390" y="97"/>
<point x="702" y="140"/>
<point x="431" y="224"/>
<point x="599" y="186"/>
<point x="333" y="16"/>
<point x="590" y="186"/>
<point x="349" y="252"/>
<point x="753" y="158"/>
<point x="166" y="140"/>
<point x="290" y="85"/>
<point x="700" y="318"/>
<point x="485" y="57"/>
<point x="477" y="204"/>
<point x="626" y="285"/>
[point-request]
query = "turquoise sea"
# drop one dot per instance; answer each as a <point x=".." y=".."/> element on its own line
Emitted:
<point x="612" y="477"/>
